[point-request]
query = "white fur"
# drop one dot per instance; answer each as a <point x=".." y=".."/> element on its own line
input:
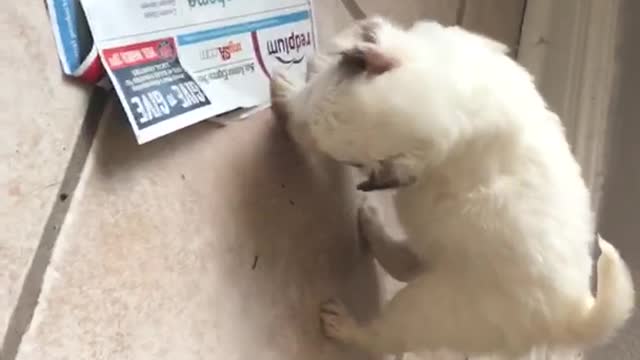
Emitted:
<point x="500" y="230"/>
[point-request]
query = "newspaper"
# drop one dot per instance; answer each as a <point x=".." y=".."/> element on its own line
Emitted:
<point x="174" y="63"/>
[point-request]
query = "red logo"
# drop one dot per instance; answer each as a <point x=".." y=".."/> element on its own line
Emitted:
<point x="140" y="53"/>
<point x="166" y="50"/>
<point x="227" y="50"/>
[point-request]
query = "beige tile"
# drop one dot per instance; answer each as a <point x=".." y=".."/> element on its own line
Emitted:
<point x="210" y="243"/>
<point x="41" y="116"/>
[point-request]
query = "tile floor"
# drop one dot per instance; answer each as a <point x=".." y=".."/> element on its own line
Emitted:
<point x="41" y="118"/>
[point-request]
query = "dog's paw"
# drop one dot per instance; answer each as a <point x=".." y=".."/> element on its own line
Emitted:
<point x="281" y="89"/>
<point x="391" y="174"/>
<point x="317" y="64"/>
<point x="372" y="184"/>
<point x="337" y="322"/>
<point x="368" y="225"/>
<point x="281" y="85"/>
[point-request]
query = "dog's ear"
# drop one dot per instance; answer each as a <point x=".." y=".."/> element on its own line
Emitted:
<point x="370" y="58"/>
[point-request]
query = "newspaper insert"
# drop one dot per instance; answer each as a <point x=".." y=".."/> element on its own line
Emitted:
<point x="177" y="62"/>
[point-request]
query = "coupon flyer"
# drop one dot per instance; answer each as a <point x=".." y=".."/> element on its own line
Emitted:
<point x="174" y="63"/>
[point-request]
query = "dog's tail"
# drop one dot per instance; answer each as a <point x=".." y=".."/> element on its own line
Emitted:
<point x="614" y="300"/>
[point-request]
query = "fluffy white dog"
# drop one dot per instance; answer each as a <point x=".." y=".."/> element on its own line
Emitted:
<point x="498" y="257"/>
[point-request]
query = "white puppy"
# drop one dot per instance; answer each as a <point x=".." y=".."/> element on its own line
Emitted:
<point x="498" y="257"/>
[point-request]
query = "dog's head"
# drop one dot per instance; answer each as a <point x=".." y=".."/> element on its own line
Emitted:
<point x="382" y="91"/>
<point x="357" y="56"/>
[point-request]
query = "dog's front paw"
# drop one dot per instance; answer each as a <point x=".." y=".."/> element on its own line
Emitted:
<point x="281" y="85"/>
<point x="379" y="182"/>
<point x="317" y="64"/>
<point x="368" y="225"/>
<point x="337" y="322"/>
<point x="371" y="184"/>
<point x="281" y="88"/>
<point x="390" y="174"/>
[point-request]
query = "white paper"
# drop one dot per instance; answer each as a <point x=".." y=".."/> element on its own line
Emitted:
<point x="177" y="62"/>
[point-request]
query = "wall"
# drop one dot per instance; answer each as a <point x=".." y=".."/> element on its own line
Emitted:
<point x="620" y="211"/>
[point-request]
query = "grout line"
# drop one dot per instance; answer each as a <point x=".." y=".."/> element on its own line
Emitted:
<point x="32" y="286"/>
<point x="523" y="13"/>
<point x="354" y="9"/>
